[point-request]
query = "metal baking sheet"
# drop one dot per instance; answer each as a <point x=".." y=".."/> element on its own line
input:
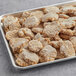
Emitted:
<point x="18" y="13"/>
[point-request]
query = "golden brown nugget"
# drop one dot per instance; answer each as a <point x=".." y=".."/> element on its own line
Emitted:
<point x="67" y="23"/>
<point x="44" y="41"/>
<point x="25" y="32"/>
<point x="12" y="34"/>
<point x="67" y="49"/>
<point x="73" y="40"/>
<point x="11" y="23"/>
<point x="56" y="44"/>
<point x="46" y="23"/>
<point x="56" y="38"/>
<point x="51" y="9"/>
<point x="38" y="29"/>
<point x="17" y="43"/>
<point x="74" y="13"/>
<point x="68" y="9"/>
<point x="22" y="20"/>
<point x="37" y="13"/>
<point x="63" y="16"/>
<point x="35" y="45"/>
<point x="65" y="37"/>
<point x="48" y="53"/>
<point x="38" y="36"/>
<point x="67" y="32"/>
<point x="26" y="58"/>
<point x="72" y="18"/>
<point x="52" y="30"/>
<point x="32" y="21"/>
<point x="51" y="16"/>
<point x="25" y="14"/>
<point x="21" y="62"/>
<point x="59" y="55"/>
<point x="74" y="31"/>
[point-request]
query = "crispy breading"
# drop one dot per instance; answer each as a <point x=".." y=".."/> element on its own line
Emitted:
<point x="67" y="32"/>
<point x="73" y="40"/>
<point x="38" y="29"/>
<point x="11" y="23"/>
<point x="67" y="23"/>
<point x="12" y="34"/>
<point x="25" y="14"/>
<point x="52" y="30"/>
<point x="48" y="53"/>
<point x="38" y="14"/>
<point x="25" y="32"/>
<point x="17" y="43"/>
<point x="44" y="41"/>
<point x="67" y="49"/>
<point x="56" y="44"/>
<point x="51" y="16"/>
<point x="63" y="16"/>
<point x="35" y="45"/>
<point x="51" y="9"/>
<point x="32" y="21"/>
<point x="68" y="9"/>
<point x="59" y="55"/>
<point x="26" y="58"/>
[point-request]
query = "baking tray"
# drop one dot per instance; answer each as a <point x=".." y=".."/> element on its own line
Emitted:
<point x="18" y="13"/>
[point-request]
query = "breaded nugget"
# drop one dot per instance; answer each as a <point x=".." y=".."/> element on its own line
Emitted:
<point x="74" y="31"/>
<point x="67" y="32"/>
<point x="67" y="49"/>
<point x="38" y="29"/>
<point x="56" y="44"/>
<point x="56" y="38"/>
<point x="64" y="36"/>
<point x="51" y="9"/>
<point x="63" y="16"/>
<point x="46" y="23"/>
<point x="26" y="58"/>
<point x="48" y="53"/>
<point x="72" y="18"/>
<point x="25" y="32"/>
<point x="37" y="13"/>
<point x="21" y="62"/>
<point x="52" y="30"/>
<point x="73" y="40"/>
<point x="32" y="21"/>
<point x="22" y="20"/>
<point x="51" y="16"/>
<point x="12" y="34"/>
<point x="17" y="43"/>
<point x="25" y="14"/>
<point x="35" y="45"/>
<point x="59" y="55"/>
<point x="11" y="23"/>
<point x="38" y="36"/>
<point x="44" y="41"/>
<point x="68" y="9"/>
<point x="67" y="23"/>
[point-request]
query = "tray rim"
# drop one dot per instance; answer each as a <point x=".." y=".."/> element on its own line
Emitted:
<point x="8" y="48"/>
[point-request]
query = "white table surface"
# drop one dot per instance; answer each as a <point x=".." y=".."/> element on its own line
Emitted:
<point x="67" y="68"/>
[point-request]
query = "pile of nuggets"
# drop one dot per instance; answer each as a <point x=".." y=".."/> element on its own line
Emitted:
<point x="42" y="35"/>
